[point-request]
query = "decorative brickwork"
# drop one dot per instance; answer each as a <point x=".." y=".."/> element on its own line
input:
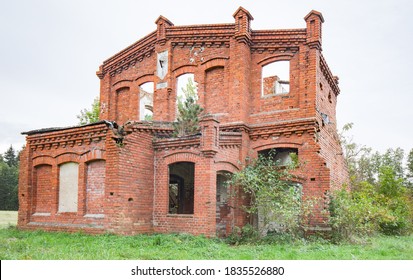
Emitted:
<point x="137" y="185"/>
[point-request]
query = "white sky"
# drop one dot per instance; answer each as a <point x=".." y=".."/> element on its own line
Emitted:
<point x="50" y="51"/>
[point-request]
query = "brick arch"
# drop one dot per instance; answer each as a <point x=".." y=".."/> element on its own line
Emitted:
<point x="184" y="69"/>
<point x="226" y="166"/>
<point x="93" y="155"/>
<point x="68" y="157"/>
<point x="121" y="89"/>
<point x="214" y="62"/>
<point x="145" y="78"/>
<point x="121" y="84"/>
<point x="44" y="160"/>
<point x="275" y="58"/>
<point x="181" y="156"/>
<point x="277" y="145"/>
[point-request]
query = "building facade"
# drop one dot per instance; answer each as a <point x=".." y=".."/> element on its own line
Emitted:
<point x="261" y="90"/>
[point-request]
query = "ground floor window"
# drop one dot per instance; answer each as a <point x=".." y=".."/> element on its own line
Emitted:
<point x="68" y="187"/>
<point x="281" y="156"/>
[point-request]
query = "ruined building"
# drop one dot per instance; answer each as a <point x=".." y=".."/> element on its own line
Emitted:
<point x="260" y="90"/>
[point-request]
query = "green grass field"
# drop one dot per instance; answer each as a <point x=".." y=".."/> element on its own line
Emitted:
<point x="38" y="245"/>
<point x="8" y="218"/>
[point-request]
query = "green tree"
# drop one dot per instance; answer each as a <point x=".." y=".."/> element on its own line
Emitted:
<point x="188" y="112"/>
<point x="396" y="198"/>
<point x="10" y="157"/>
<point x="359" y="170"/>
<point x="393" y="158"/>
<point x="9" y="174"/>
<point x="409" y="171"/>
<point x="90" y="116"/>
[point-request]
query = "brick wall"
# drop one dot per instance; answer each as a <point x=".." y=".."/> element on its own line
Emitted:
<point x="45" y="152"/>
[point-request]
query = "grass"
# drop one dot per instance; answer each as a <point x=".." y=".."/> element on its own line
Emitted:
<point x="8" y="218"/>
<point x="38" y="245"/>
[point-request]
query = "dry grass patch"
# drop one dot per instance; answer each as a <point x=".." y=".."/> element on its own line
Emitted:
<point x="8" y="218"/>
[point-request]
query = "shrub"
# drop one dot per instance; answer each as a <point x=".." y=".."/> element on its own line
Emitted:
<point x="245" y="235"/>
<point x="354" y="215"/>
<point x="275" y="198"/>
<point x="371" y="209"/>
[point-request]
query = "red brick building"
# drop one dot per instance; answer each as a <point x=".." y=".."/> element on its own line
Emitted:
<point x="260" y="90"/>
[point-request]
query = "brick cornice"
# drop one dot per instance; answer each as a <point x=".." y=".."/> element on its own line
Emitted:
<point x="67" y="137"/>
<point x="285" y="128"/>
<point x="129" y="56"/>
<point x="332" y="80"/>
<point x="177" y="143"/>
<point x="155" y="128"/>
<point x="230" y="139"/>
<point x="211" y="35"/>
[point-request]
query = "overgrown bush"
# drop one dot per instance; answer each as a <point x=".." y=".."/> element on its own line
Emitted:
<point x="275" y="198"/>
<point x="371" y="209"/>
<point x="354" y="215"/>
<point x="245" y="235"/>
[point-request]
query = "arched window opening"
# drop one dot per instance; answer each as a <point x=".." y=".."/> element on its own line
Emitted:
<point x="186" y="88"/>
<point x="276" y="78"/>
<point x="146" y="101"/>
<point x="281" y="156"/>
<point x="181" y="188"/>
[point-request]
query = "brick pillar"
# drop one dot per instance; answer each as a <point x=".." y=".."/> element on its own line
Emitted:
<point x="314" y="22"/>
<point x="210" y="135"/>
<point x="25" y="187"/>
<point x="240" y="67"/>
<point x="207" y="177"/>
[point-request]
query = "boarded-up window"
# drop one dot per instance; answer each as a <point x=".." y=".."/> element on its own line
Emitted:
<point x="122" y="106"/>
<point x="68" y="187"/>
<point x="43" y="189"/>
<point x="216" y="101"/>
<point x="95" y="187"/>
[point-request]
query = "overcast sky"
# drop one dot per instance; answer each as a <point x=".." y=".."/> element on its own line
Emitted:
<point x="50" y="51"/>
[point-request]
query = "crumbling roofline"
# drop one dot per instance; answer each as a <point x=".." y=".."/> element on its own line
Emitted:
<point x="53" y="129"/>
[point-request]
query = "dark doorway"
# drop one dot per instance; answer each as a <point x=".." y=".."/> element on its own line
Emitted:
<point x="181" y="188"/>
<point x="223" y="210"/>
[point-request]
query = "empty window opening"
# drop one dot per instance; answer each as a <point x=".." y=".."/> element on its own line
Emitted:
<point x="281" y="156"/>
<point x="146" y="101"/>
<point x="276" y="78"/>
<point x="68" y="187"/>
<point x="181" y="188"/>
<point x="186" y="88"/>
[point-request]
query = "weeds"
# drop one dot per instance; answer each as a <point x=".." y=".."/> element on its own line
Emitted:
<point x="38" y="245"/>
